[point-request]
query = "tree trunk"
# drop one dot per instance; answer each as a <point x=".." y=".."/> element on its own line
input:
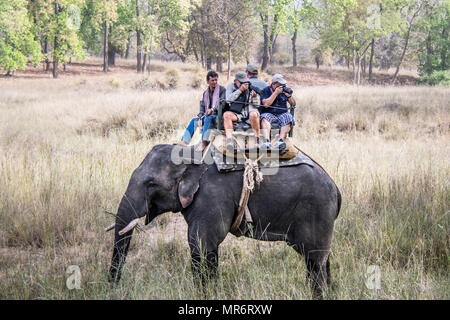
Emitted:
<point x="229" y="63"/>
<point x="219" y="62"/>
<point x="354" y="67"/>
<point x="363" y="66"/>
<point x="47" y="61"/>
<point x="265" y="58"/>
<point x="358" y="79"/>
<point x="144" y="61"/>
<point x="372" y="46"/>
<point x="294" y="49"/>
<point x="138" y="42"/>
<point x="394" y="78"/>
<point x="55" y="47"/>
<point x="127" y="51"/>
<point x="111" y="50"/>
<point x="444" y="51"/>
<point x="105" y="46"/>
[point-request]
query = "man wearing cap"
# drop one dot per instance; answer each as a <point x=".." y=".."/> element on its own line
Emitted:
<point x="252" y="74"/>
<point x="275" y="100"/>
<point x="208" y="112"/>
<point x="243" y="107"/>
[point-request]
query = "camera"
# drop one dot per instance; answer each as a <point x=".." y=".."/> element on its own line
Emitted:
<point x="289" y="91"/>
<point x="250" y="88"/>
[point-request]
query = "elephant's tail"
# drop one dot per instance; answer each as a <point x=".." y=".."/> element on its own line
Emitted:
<point x="339" y="199"/>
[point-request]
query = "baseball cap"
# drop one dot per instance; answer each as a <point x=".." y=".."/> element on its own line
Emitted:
<point x="278" y="78"/>
<point x="252" y="68"/>
<point x="241" y="77"/>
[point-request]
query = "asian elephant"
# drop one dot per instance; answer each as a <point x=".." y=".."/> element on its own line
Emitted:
<point x="298" y="205"/>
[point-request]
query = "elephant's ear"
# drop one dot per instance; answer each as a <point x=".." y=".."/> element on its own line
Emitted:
<point x="189" y="183"/>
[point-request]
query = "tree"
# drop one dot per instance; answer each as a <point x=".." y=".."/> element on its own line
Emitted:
<point x="433" y="47"/>
<point x="273" y="18"/>
<point x="299" y="12"/>
<point x="56" y="24"/>
<point x="350" y="27"/>
<point x="411" y="9"/>
<point x="174" y="26"/>
<point x="233" y="17"/>
<point x="16" y="38"/>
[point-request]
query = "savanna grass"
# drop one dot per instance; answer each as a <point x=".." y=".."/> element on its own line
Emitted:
<point x="68" y="147"/>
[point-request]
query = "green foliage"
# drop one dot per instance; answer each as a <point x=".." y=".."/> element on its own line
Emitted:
<point x="433" y="48"/>
<point x="16" y="38"/>
<point x="436" y="77"/>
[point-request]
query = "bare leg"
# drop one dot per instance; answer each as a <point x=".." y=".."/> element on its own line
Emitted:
<point x="265" y="125"/>
<point x="202" y="146"/>
<point x="254" y="121"/>
<point x="228" y="119"/>
<point x="284" y="131"/>
<point x="182" y="143"/>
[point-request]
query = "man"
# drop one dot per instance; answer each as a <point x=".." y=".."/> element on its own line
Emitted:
<point x="208" y="112"/>
<point x="243" y="107"/>
<point x="275" y="99"/>
<point x="252" y="74"/>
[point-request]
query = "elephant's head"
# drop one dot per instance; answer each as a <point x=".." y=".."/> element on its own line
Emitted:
<point x="158" y="185"/>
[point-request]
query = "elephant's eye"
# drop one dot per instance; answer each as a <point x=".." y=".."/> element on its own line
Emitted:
<point x="150" y="182"/>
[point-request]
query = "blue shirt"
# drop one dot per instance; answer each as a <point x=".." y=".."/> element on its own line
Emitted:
<point x="258" y="83"/>
<point x="279" y="102"/>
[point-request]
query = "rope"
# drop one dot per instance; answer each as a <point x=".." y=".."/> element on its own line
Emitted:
<point x="251" y="173"/>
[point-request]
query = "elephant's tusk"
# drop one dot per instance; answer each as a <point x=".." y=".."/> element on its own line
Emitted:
<point x="129" y="227"/>
<point x="110" y="227"/>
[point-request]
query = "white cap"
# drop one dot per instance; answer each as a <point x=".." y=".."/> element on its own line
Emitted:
<point x="278" y="78"/>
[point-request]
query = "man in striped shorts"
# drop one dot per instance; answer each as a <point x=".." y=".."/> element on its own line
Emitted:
<point x="275" y="99"/>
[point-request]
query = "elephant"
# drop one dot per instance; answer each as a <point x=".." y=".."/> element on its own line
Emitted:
<point x="297" y="205"/>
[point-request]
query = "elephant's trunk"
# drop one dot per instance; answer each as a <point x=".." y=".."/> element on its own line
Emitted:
<point x="126" y="220"/>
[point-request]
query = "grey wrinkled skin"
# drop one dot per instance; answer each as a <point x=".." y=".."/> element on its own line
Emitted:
<point x="298" y="205"/>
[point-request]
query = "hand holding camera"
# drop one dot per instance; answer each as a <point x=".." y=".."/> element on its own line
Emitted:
<point x="244" y="86"/>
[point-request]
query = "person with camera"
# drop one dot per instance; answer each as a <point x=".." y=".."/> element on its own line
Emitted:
<point x="252" y="74"/>
<point x="208" y="112"/>
<point x="275" y="98"/>
<point x="244" y="103"/>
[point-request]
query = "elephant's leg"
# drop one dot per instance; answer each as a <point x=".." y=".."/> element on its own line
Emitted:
<point x="328" y="272"/>
<point x="204" y="242"/>
<point x="316" y="265"/>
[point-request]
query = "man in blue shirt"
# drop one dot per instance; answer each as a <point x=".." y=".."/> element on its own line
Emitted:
<point x="275" y="100"/>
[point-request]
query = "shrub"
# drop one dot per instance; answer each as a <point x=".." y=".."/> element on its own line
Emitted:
<point x="441" y="77"/>
<point x="281" y="58"/>
<point x="197" y="80"/>
<point x="114" y="83"/>
<point x="172" y="78"/>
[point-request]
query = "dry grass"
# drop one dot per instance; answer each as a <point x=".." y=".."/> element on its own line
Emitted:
<point x="68" y="147"/>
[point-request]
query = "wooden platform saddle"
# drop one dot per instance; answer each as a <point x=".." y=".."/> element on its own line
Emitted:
<point x="255" y="163"/>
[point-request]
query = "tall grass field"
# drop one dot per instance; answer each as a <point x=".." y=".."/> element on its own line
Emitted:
<point x="68" y="148"/>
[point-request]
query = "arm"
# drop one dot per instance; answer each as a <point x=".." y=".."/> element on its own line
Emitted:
<point x="269" y="101"/>
<point x="202" y="109"/>
<point x="255" y="100"/>
<point x="232" y="95"/>
<point x="290" y="100"/>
